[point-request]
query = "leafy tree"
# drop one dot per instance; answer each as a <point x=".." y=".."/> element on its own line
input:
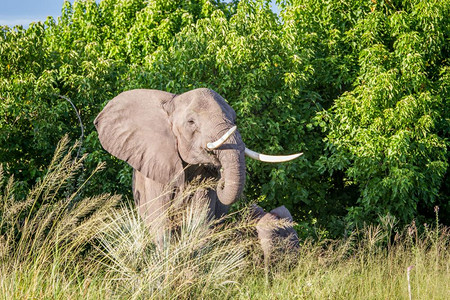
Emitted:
<point x="361" y="87"/>
<point x="84" y="55"/>
<point x="389" y="132"/>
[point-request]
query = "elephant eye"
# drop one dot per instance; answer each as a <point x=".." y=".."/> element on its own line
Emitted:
<point x="191" y="122"/>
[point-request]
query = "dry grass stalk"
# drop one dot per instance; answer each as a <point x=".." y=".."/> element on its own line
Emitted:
<point x="199" y="254"/>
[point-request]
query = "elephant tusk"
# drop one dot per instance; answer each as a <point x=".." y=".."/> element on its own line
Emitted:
<point x="270" y="158"/>
<point x="223" y="139"/>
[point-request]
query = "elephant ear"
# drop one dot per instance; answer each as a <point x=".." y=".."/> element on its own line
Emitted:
<point x="282" y="212"/>
<point x="256" y="212"/>
<point x="134" y="127"/>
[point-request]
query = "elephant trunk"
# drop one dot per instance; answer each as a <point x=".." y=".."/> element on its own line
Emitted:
<point x="232" y="159"/>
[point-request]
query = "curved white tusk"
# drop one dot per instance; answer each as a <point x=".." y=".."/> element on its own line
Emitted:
<point x="270" y="158"/>
<point x="223" y="139"/>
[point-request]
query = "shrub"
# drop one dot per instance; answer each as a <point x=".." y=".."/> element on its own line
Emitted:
<point x="361" y="87"/>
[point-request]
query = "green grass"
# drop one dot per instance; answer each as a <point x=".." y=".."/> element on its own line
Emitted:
<point x="54" y="245"/>
<point x="334" y="272"/>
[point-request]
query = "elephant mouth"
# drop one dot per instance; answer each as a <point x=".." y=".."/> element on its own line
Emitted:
<point x="205" y="171"/>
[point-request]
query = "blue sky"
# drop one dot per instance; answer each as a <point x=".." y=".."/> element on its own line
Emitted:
<point x="23" y="12"/>
<point x="14" y="12"/>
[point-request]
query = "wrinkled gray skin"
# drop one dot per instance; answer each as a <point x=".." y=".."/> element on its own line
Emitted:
<point x="160" y="134"/>
<point x="271" y="234"/>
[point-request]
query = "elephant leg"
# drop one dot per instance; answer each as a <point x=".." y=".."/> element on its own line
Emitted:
<point x="216" y="209"/>
<point x="152" y="200"/>
<point x="205" y="196"/>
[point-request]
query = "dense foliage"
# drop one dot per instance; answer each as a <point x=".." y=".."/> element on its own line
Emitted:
<point x="360" y="86"/>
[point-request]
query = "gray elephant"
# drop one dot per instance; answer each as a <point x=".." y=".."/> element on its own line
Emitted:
<point x="275" y="232"/>
<point x="171" y="139"/>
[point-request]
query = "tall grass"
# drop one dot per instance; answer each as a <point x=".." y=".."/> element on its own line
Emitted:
<point x="55" y="245"/>
<point x="200" y="257"/>
<point x="363" y="266"/>
<point x="45" y="238"/>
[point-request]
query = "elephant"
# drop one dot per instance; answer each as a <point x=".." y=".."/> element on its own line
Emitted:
<point x="275" y="231"/>
<point x="170" y="139"/>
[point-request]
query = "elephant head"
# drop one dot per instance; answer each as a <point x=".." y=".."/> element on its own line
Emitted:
<point x="160" y="133"/>
<point x="273" y="235"/>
